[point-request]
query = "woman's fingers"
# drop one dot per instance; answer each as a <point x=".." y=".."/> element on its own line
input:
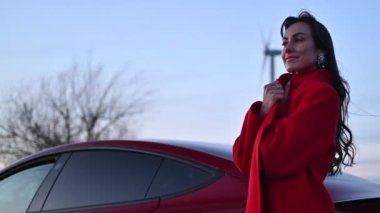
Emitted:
<point x="274" y="92"/>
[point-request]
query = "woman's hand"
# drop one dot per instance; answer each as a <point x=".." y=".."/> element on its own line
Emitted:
<point x="274" y="92"/>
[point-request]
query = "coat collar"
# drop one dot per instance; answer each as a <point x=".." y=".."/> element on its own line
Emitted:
<point x="309" y="74"/>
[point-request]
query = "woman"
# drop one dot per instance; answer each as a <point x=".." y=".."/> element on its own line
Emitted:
<point x="298" y="133"/>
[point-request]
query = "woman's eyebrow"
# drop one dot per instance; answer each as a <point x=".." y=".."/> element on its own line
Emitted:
<point x="299" y="33"/>
<point x="294" y="35"/>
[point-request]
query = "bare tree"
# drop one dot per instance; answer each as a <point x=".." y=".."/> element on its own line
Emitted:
<point x="77" y="105"/>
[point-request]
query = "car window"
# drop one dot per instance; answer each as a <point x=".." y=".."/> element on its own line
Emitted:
<point x="102" y="177"/>
<point x="177" y="177"/>
<point x="17" y="190"/>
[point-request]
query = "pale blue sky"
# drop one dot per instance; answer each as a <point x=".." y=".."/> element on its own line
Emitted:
<point x="203" y="57"/>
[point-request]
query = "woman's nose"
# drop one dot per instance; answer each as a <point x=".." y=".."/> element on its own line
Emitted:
<point x="289" y="47"/>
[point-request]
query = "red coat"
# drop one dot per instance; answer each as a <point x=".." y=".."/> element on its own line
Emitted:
<point x="288" y="153"/>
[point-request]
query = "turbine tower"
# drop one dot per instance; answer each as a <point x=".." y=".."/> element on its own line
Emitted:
<point x="272" y="53"/>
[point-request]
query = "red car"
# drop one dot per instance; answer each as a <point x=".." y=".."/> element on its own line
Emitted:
<point x="146" y="176"/>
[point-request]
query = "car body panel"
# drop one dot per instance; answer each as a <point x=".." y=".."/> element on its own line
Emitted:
<point x="206" y="200"/>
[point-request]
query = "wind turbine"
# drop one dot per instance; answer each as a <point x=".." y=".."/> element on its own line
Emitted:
<point x="272" y="53"/>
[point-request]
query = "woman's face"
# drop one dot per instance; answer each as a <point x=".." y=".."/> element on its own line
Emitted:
<point x="299" y="52"/>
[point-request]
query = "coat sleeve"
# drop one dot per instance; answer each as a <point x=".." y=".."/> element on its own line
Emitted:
<point x="292" y="143"/>
<point x="243" y="146"/>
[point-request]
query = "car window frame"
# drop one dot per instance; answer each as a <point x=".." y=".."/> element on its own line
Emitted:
<point x="217" y="173"/>
<point x="105" y="205"/>
<point x="61" y="158"/>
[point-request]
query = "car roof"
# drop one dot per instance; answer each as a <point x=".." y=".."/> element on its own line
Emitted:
<point x="221" y="151"/>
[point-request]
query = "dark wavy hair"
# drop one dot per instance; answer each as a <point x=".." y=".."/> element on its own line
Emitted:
<point x="345" y="149"/>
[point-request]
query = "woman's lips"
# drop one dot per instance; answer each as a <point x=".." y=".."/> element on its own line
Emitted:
<point x="290" y="58"/>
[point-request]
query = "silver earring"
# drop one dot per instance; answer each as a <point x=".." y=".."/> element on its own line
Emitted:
<point x="321" y="61"/>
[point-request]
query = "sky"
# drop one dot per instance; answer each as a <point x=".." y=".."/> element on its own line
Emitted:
<point x="203" y="58"/>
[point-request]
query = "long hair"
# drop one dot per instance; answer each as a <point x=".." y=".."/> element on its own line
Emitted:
<point x="345" y="149"/>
